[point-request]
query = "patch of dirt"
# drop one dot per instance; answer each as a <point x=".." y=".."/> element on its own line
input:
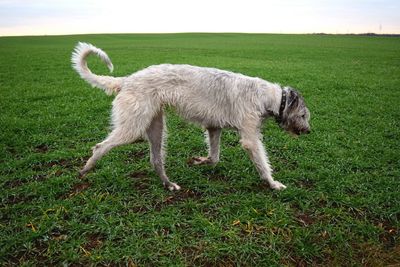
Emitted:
<point x="305" y="183"/>
<point x="76" y="189"/>
<point x="138" y="175"/>
<point x="304" y="219"/>
<point x="259" y="186"/>
<point x="141" y="180"/>
<point x="178" y="196"/>
<point x="350" y="191"/>
<point x="183" y="195"/>
<point x="11" y="150"/>
<point x="372" y="255"/>
<point x="218" y="176"/>
<point x="139" y="209"/>
<point x="58" y="173"/>
<point x="42" y="148"/>
<point x="94" y="241"/>
<point x="134" y="156"/>
<point x="389" y="236"/>
<point x="36" y="254"/>
<point x="14" y="183"/>
<point x="43" y="166"/>
<point x="142" y="185"/>
<point x="19" y="182"/>
<point x="15" y="199"/>
<point x="322" y="202"/>
<point x="138" y="154"/>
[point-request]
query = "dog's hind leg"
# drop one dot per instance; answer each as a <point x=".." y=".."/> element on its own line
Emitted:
<point x="251" y="142"/>
<point x="156" y="134"/>
<point x="213" y="136"/>
<point x="117" y="137"/>
<point x="130" y="121"/>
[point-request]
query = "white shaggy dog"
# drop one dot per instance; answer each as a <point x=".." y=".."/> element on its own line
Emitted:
<point x="213" y="98"/>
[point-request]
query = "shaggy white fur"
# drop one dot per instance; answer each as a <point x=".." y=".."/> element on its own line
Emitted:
<point x="210" y="97"/>
<point x="82" y="51"/>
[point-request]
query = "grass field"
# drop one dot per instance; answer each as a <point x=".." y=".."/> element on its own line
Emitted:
<point x="342" y="204"/>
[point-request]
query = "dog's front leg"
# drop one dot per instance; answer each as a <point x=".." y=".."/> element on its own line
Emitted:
<point x="253" y="145"/>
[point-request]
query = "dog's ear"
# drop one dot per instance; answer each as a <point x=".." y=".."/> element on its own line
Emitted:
<point x="293" y="98"/>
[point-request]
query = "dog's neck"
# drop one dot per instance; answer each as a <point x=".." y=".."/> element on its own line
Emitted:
<point x="277" y="102"/>
<point x="282" y="106"/>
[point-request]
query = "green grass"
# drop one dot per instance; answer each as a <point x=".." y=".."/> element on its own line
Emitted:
<point x="342" y="204"/>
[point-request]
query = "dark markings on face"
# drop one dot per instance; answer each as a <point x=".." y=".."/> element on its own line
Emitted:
<point x="296" y="115"/>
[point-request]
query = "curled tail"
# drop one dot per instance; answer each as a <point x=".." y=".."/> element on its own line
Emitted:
<point x="107" y="83"/>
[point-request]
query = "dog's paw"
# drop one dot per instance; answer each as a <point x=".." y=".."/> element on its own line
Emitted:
<point x="200" y="161"/>
<point x="277" y="185"/>
<point x="172" y="186"/>
<point x="82" y="174"/>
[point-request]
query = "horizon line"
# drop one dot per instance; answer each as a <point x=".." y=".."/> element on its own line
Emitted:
<point x="205" y="32"/>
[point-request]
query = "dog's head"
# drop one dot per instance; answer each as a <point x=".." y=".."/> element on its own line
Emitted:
<point x="295" y="116"/>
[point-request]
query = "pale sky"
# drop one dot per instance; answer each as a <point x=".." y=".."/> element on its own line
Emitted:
<point x="48" y="17"/>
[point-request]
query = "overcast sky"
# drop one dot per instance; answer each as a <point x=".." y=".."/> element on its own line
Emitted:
<point x="45" y="17"/>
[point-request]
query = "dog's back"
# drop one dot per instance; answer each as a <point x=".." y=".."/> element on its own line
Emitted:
<point x="209" y="96"/>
